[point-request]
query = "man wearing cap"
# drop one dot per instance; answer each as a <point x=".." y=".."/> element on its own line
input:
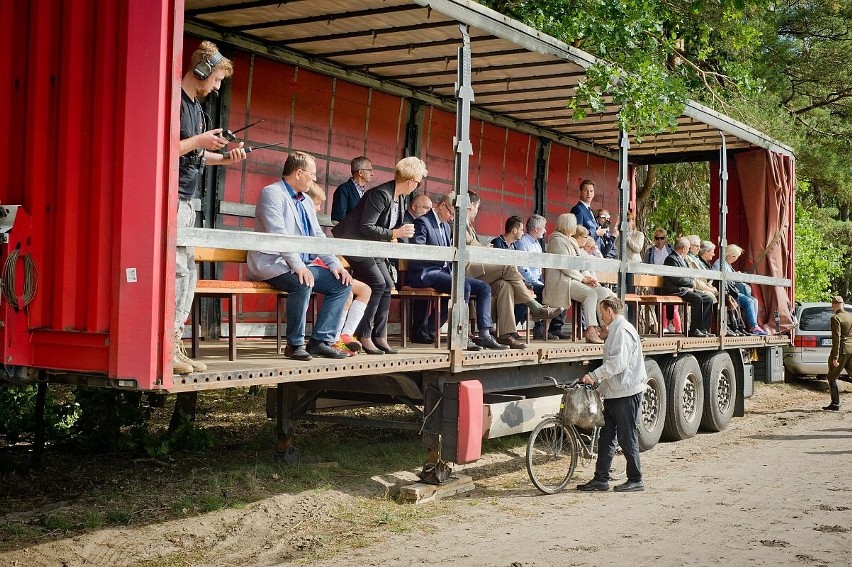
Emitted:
<point x="841" y="349"/>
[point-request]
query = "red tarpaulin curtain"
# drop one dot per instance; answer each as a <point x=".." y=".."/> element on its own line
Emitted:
<point x="767" y="180"/>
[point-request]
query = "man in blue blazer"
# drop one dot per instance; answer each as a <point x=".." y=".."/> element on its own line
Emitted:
<point x="281" y="209"/>
<point x="347" y="195"/>
<point x="432" y="229"/>
<point x="583" y="210"/>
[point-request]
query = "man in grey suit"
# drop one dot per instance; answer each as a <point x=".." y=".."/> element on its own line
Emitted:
<point x="281" y="209"/>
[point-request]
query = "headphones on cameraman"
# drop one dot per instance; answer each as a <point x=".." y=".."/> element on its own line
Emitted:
<point x="205" y="66"/>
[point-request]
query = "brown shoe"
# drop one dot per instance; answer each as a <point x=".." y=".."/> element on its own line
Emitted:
<point x="511" y="342"/>
<point x="592" y="336"/>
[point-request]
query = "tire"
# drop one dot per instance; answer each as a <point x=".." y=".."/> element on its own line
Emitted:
<point x="720" y="391"/>
<point x="551" y="455"/>
<point x="685" y="388"/>
<point x="652" y="413"/>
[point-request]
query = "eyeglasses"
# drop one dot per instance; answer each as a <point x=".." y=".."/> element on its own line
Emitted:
<point x="366" y="169"/>
<point x="659" y="238"/>
<point x="418" y="183"/>
<point x="604" y="218"/>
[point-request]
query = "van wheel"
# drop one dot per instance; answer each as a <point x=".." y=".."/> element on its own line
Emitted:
<point x="685" y="388"/>
<point x="720" y="390"/>
<point x="652" y="413"/>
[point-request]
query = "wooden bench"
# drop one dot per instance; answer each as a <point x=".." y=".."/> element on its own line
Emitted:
<point x="227" y="289"/>
<point x="406" y="293"/>
<point x="658" y="301"/>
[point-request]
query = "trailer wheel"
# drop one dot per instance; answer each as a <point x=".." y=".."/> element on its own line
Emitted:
<point x="685" y="389"/>
<point x="652" y="414"/>
<point x="720" y="390"/>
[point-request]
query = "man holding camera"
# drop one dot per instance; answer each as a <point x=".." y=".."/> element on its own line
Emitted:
<point x="608" y="241"/>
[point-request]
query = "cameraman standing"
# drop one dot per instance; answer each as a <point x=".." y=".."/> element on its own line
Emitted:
<point x="608" y="241"/>
<point x="621" y="381"/>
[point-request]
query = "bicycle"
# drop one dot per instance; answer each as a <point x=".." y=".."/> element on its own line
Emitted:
<point x="555" y="446"/>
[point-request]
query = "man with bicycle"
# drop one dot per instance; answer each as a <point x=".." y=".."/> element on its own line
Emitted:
<point x="621" y="382"/>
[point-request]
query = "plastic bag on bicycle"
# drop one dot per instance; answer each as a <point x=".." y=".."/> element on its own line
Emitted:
<point x="583" y="407"/>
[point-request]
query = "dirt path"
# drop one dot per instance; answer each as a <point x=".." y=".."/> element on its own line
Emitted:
<point x="773" y="489"/>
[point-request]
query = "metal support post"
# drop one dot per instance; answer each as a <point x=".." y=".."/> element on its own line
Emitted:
<point x="459" y="325"/>
<point x="623" y="204"/>
<point x="723" y="235"/>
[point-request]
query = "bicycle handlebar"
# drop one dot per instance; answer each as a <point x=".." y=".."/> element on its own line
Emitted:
<point x="563" y="386"/>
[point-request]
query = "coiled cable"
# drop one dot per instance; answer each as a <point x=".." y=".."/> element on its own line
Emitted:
<point x="8" y="283"/>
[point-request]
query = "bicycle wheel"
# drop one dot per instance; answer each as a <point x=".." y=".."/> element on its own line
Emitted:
<point x="551" y="455"/>
<point x="618" y="468"/>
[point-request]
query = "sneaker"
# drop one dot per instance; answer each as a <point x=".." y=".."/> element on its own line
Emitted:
<point x="180" y="355"/>
<point x="343" y="347"/>
<point x="325" y="350"/>
<point x="180" y="367"/>
<point x="297" y="352"/>
<point x="350" y="343"/>
<point x="669" y="329"/>
<point x="472" y="346"/>
<point x="756" y="330"/>
<point x="630" y="486"/>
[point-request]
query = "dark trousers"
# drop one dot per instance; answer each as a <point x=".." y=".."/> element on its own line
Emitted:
<point x="442" y="280"/>
<point x="701" y="306"/>
<point x="374" y="273"/>
<point x="620" y="418"/>
<point x="844" y="362"/>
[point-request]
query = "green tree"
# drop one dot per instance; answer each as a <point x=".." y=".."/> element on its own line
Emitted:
<point x="818" y="259"/>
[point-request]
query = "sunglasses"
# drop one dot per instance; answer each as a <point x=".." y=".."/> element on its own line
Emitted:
<point x="659" y="238"/>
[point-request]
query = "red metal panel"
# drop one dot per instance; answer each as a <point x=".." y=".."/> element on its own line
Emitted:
<point x="92" y="168"/>
<point x="437" y="151"/>
<point x="386" y="134"/>
<point x="558" y="192"/>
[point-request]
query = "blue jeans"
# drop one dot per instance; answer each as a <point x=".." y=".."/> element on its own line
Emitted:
<point x="620" y="415"/>
<point x="298" y="297"/>
<point x="748" y="305"/>
<point x="442" y="281"/>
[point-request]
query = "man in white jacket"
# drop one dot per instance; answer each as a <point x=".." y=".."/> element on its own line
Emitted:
<point x="621" y="381"/>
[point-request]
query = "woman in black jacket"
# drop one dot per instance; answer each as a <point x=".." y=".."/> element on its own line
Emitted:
<point x="378" y="216"/>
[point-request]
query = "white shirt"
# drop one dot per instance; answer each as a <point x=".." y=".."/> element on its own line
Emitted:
<point x="623" y="371"/>
<point x="659" y="256"/>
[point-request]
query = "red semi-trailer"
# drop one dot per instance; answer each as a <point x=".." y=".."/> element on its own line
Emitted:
<point x="89" y="184"/>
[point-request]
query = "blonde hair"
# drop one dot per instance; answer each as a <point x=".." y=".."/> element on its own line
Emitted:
<point x="205" y="52"/>
<point x="409" y="168"/>
<point x="581" y="231"/>
<point x="316" y="193"/>
<point x="566" y="223"/>
<point x="733" y="250"/>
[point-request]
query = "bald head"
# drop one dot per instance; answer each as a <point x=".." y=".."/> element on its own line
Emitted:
<point x="420" y="205"/>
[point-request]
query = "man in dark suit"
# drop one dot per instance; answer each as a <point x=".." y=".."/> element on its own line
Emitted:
<point x="701" y="305"/>
<point x="583" y="210"/>
<point x="432" y="229"/>
<point x="841" y="349"/>
<point x="419" y="206"/>
<point x="346" y="196"/>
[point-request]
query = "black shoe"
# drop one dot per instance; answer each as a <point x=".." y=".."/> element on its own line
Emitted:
<point x="325" y="350"/>
<point x="697" y="333"/>
<point x="472" y="346"/>
<point x="488" y="342"/>
<point x="594" y="485"/>
<point x="423" y="340"/>
<point x="539" y="336"/>
<point x="630" y="486"/>
<point x="832" y="407"/>
<point x="384" y="346"/>
<point x="297" y="352"/>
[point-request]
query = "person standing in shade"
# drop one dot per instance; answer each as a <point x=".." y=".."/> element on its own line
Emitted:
<point x="841" y="349"/>
<point x="347" y="195"/>
<point x="621" y="381"/>
<point x="199" y="146"/>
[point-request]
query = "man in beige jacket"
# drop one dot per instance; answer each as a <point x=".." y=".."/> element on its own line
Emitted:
<point x="507" y="287"/>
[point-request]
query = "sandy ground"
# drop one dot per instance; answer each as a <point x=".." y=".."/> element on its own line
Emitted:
<point x="772" y="489"/>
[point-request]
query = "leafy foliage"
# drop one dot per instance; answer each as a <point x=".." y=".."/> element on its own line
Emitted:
<point x="818" y="259"/>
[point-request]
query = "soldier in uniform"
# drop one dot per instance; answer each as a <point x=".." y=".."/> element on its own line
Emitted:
<point x="841" y="349"/>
